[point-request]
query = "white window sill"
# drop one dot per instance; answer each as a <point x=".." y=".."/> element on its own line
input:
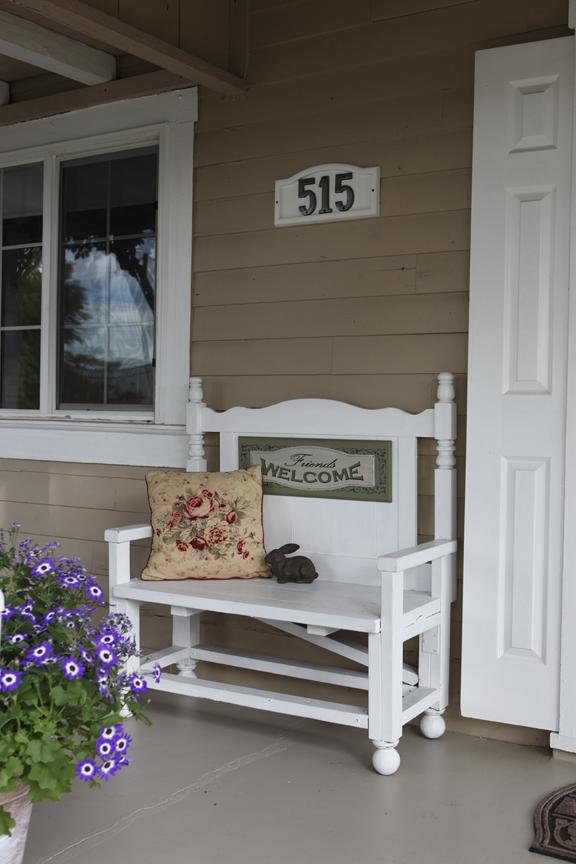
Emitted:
<point x="103" y="441"/>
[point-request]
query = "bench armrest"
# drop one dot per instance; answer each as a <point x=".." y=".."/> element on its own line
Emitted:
<point x="424" y="553"/>
<point x="127" y="533"/>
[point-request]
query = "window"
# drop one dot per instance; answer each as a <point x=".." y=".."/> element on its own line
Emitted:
<point x="95" y="282"/>
<point x="107" y="281"/>
<point x="20" y="285"/>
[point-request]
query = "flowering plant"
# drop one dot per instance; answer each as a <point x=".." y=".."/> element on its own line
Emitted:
<point x="63" y="681"/>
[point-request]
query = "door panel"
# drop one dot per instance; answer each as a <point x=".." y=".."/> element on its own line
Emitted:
<point x="517" y="383"/>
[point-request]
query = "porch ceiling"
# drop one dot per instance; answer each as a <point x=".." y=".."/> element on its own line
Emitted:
<point x="74" y="40"/>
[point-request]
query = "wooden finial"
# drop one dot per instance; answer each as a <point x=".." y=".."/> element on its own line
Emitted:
<point x="195" y="391"/>
<point x="445" y="392"/>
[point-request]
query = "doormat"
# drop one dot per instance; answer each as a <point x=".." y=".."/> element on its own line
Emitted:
<point x="555" y="825"/>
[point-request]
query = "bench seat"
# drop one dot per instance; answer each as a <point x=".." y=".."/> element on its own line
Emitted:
<point x="338" y="605"/>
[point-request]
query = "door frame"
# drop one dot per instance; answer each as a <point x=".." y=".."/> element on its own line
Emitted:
<point x="565" y="738"/>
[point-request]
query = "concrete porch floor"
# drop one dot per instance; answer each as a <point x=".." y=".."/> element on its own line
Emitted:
<point x="210" y="784"/>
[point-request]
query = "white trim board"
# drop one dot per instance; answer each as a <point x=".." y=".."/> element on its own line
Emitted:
<point x="166" y="120"/>
<point x="31" y="43"/>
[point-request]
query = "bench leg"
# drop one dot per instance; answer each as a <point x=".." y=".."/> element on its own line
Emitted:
<point x="131" y="609"/>
<point x="385" y="672"/>
<point x="186" y="634"/>
<point x="434" y="653"/>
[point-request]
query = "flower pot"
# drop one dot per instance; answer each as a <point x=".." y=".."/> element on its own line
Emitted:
<point x="19" y="805"/>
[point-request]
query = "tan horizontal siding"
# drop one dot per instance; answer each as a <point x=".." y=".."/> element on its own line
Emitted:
<point x="436" y="273"/>
<point x="412" y="392"/>
<point x="428" y="232"/>
<point x="340" y="87"/>
<point x="418" y="155"/>
<point x="342" y="355"/>
<point x="399" y="196"/>
<point x="417" y="313"/>
<point x="384" y="120"/>
<point x="278" y="24"/>
<point x="407" y="35"/>
<point x="383" y="9"/>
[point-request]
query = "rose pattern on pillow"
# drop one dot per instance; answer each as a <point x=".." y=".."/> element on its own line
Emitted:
<point x="206" y="525"/>
<point x="208" y="522"/>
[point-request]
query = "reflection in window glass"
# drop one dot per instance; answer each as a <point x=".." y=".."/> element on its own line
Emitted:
<point x="108" y="282"/>
<point x="21" y="192"/>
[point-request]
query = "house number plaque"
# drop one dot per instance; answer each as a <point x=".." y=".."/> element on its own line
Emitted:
<point x="327" y="193"/>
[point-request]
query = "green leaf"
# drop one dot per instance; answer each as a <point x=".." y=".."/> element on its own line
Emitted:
<point x="14" y="766"/>
<point x="41" y="750"/>
<point x="7" y="823"/>
<point x="44" y="777"/>
<point x="60" y="696"/>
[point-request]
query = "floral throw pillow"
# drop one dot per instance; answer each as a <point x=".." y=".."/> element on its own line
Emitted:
<point x="206" y="526"/>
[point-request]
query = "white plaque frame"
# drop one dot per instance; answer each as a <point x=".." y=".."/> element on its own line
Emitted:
<point x="364" y="182"/>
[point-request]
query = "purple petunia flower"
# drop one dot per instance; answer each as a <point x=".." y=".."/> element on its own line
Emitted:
<point x="40" y="654"/>
<point x="7" y="613"/>
<point x="157" y="672"/>
<point x="106" y="656"/>
<point x="26" y="610"/>
<point x="102" y="681"/>
<point x="68" y="581"/>
<point x="122" y="743"/>
<point x="18" y="637"/>
<point x="72" y="668"/>
<point x="108" y="733"/>
<point x="107" y="640"/>
<point x="10" y="679"/>
<point x="137" y="684"/>
<point x="87" y="770"/>
<point x="94" y="592"/>
<point x="43" y="567"/>
<point x="87" y="657"/>
<point x="104" y="749"/>
<point x="109" y="768"/>
<point x="49" y="616"/>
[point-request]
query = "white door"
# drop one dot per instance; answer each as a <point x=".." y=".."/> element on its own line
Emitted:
<point x="517" y="383"/>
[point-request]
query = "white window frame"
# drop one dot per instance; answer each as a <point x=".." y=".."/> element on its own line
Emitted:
<point x="130" y="438"/>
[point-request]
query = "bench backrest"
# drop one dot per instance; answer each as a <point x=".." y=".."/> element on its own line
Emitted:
<point x="343" y="537"/>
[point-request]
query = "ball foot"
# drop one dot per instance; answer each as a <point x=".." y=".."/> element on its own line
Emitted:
<point x="386" y="760"/>
<point x="432" y="725"/>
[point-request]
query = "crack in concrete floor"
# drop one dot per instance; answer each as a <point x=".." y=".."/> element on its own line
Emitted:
<point x="92" y="840"/>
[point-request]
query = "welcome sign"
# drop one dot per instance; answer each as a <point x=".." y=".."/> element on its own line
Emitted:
<point x="321" y="467"/>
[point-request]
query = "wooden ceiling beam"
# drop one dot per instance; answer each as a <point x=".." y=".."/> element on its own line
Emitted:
<point x="29" y="42"/>
<point x="147" y="84"/>
<point x="86" y="21"/>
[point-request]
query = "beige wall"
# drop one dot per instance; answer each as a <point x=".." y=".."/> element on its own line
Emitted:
<point x="364" y="311"/>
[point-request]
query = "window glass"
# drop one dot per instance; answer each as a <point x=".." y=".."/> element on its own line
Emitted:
<point x="108" y="281"/>
<point x="21" y="194"/>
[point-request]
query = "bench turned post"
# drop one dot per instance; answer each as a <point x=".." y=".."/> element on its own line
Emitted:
<point x="196" y="454"/>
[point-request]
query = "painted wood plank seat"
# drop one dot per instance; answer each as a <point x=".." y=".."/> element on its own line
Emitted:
<point x="375" y="579"/>
<point x="338" y="605"/>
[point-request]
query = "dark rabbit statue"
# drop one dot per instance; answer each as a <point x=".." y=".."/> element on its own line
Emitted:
<point x="297" y="569"/>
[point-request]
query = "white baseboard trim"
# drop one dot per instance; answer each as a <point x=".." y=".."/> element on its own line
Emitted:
<point x="562" y="742"/>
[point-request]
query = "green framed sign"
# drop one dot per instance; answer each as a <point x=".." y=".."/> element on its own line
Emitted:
<point x="321" y="467"/>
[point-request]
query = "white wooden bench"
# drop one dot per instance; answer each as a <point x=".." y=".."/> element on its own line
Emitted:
<point x="365" y="585"/>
